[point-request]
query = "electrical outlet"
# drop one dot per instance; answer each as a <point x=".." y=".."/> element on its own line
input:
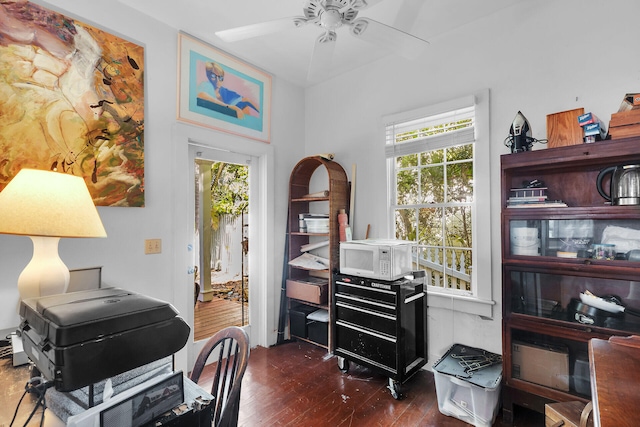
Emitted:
<point x="152" y="246"/>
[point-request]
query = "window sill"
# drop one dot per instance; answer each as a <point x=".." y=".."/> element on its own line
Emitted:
<point x="463" y="303"/>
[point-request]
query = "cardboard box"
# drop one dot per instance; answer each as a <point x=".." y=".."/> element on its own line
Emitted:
<point x="563" y="128"/>
<point x="587" y="118"/>
<point x="633" y="98"/>
<point x="312" y="290"/>
<point x="547" y="366"/>
<point x="595" y="129"/>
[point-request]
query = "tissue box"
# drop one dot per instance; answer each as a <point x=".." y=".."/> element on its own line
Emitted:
<point x="595" y="129"/>
<point x="587" y="118"/>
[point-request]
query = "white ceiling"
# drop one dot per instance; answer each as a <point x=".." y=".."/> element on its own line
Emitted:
<point x="287" y="54"/>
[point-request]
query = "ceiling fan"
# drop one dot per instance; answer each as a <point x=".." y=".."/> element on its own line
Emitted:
<point x="329" y="15"/>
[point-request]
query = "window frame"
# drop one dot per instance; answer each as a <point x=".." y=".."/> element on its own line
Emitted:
<point x="480" y="300"/>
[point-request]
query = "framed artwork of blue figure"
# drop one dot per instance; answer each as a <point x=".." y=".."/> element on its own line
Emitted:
<point x="219" y="91"/>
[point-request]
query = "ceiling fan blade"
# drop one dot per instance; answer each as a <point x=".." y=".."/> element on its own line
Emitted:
<point x="261" y="29"/>
<point x="375" y="32"/>
<point x="320" y="64"/>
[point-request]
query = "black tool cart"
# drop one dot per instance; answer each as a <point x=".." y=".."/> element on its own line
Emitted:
<point x="381" y="325"/>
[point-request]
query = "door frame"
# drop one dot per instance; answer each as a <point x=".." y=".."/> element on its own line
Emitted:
<point x="187" y="139"/>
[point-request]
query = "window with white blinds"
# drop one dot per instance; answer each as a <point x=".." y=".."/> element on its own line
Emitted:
<point x="435" y="180"/>
<point x="429" y="132"/>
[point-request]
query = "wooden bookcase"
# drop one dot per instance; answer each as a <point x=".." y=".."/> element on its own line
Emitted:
<point x="546" y="327"/>
<point x="331" y="204"/>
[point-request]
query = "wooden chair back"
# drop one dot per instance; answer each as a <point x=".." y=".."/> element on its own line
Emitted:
<point x="229" y="349"/>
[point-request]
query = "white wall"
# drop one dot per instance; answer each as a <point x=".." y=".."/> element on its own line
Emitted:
<point x="539" y="57"/>
<point x="122" y="252"/>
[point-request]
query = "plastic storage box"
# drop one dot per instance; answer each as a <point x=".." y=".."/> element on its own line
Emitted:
<point x="298" y="319"/>
<point x="318" y="326"/>
<point x="468" y="384"/>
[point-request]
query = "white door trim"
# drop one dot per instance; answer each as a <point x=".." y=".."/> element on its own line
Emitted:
<point x="263" y="328"/>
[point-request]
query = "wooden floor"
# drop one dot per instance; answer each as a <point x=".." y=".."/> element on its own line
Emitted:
<point x="299" y="384"/>
<point x="214" y="315"/>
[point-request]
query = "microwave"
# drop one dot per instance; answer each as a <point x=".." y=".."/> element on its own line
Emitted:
<point x="381" y="259"/>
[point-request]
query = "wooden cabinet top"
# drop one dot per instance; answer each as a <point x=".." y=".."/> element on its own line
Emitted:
<point x="596" y="155"/>
<point x="615" y="379"/>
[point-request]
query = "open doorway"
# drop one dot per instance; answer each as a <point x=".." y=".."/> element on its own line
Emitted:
<point x="221" y="282"/>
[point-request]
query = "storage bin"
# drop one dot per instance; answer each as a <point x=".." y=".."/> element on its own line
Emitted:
<point x="317" y="225"/>
<point x="468" y="384"/>
<point x="298" y="320"/>
<point x="318" y="326"/>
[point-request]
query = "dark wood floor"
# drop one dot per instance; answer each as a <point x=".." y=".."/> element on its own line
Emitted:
<point x="299" y="384"/>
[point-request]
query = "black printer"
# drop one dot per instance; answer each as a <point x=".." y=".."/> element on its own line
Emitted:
<point x="79" y="338"/>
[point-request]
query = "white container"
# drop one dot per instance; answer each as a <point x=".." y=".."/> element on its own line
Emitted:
<point x="317" y="225"/>
<point x="524" y="241"/>
<point x="468" y="382"/>
<point x="465" y="401"/>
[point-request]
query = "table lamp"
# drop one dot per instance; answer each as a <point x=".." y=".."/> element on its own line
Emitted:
<point x="46" y="206"/>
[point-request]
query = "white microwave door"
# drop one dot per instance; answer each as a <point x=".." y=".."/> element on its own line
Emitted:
<point x="359" y="259"/>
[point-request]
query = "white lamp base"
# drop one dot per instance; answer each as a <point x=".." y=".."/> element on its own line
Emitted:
<point x="45" y="274"/>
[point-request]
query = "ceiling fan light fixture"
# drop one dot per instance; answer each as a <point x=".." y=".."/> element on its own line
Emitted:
<point x="331" y="20"/>
<point x="342" y="11"/>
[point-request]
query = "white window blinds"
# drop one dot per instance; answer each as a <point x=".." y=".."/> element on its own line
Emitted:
<point x="445" y="125"/>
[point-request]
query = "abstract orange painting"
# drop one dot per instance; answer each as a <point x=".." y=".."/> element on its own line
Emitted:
<point x="71" y="100"/>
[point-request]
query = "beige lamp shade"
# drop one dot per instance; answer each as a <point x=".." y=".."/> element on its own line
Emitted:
<point x="43" y="203"/>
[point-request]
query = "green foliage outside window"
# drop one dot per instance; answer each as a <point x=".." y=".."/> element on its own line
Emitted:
<point x="434" y="196"/>
<point x="229" y="190"/>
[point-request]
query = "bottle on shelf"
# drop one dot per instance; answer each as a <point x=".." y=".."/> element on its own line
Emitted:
<point x="343" y="221"/>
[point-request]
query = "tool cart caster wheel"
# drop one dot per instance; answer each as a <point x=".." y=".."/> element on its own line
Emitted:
<point x="343" y="365"/>
<point x="395" y="388"/>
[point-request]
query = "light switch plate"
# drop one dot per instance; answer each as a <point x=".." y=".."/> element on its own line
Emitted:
<point x="152" y="246"/>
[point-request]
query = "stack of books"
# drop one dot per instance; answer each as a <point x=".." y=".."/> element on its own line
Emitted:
<point x="532" y="198"/>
